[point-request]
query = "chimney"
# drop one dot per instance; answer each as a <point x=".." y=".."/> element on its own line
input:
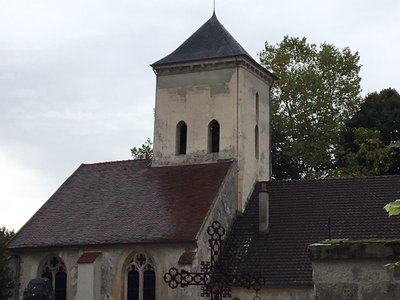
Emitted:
<point x="263" y="207"/>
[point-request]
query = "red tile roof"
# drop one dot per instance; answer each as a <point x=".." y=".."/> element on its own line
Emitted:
<point x="299" y="212"/>
<point x="88" y="257"/>
<point x="186" y="258"/>
<point x="125" y="202"/>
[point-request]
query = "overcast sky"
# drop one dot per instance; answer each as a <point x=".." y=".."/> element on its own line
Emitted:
<point x="76" y="85"/>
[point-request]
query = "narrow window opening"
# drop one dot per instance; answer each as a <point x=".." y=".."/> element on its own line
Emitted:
<point x="257" y="106"/>
<point x="213" y="136"/>
<point x="149" y="284"/>
<point x="133" y="285"/>
<point x="181" y="137"/>
<point x="256" y="143"/>
<point x="60" y="289"/>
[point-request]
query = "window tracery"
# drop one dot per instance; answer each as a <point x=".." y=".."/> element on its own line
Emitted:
<point x="141" y="278"/>
<point x="54" y="269"/>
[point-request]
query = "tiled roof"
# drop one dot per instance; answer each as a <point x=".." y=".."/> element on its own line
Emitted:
<point x="88" y="257"/>
<point x="299" y="212"/>
<point x="210" y="41"/>
<point x="187" y="258"/>
<point x="125" y="202"/>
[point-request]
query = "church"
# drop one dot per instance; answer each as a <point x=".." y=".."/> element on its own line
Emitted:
<point x="114" y="229"/>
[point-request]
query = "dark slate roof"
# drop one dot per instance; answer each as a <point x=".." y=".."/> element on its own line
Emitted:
<point x="125" y="202"/>
<point x="299" y="212"/>
<point x="210" y="41"/>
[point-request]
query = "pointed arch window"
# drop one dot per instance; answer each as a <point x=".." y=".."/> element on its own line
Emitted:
<point x="213" y="136"/>
<point x="141" y="278"/>
<point x="181" y="137"/>
<point x="256" y="142"/>
<point x="54" y="269"/>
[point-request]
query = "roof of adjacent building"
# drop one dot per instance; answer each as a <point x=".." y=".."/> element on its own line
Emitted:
<point x="210" y="41"/>
<point x="125" y="202"/>
<point x="299" y="213"/>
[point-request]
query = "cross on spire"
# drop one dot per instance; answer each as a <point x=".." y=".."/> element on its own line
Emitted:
<point x="214" y="8"/>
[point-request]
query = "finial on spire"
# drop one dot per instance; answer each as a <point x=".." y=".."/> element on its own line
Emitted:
<point x="214" y="8"/>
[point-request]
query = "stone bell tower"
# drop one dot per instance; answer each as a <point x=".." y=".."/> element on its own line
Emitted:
<point x="213" y="103"/>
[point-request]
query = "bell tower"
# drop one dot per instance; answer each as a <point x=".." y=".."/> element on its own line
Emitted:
<point x="212" y="104"/>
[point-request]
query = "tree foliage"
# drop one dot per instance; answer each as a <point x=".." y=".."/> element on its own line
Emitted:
<point x="393" y="209"/>
<point x="369" y="157"/>
<point x="371" y="139"/>
<point x="144" y="152"/>
<point x="6" y="276"/>
<point x="317" y="91"/>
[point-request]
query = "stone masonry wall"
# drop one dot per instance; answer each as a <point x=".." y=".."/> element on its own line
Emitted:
<point x="355" y="271"/>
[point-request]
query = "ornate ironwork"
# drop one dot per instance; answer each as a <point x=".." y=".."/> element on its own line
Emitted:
<point x="215" y="278"/>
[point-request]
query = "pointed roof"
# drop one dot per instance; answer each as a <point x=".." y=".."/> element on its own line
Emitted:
<point x="210" y="41"/>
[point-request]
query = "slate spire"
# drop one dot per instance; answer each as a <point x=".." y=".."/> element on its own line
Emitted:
<point x="210" y="41"/>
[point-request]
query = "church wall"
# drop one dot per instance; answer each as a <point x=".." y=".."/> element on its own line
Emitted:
<point x="284" y="292"/>
<point x="30" y="264"/>
<point x="223" y="211"/>
<point x="196" y="98"/>
<point x="226" y="94"/>
<point x="112" y="265"/>
<point x="252" y="169"/>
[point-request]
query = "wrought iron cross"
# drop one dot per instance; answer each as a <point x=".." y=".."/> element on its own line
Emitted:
<point x="214" y="277"/>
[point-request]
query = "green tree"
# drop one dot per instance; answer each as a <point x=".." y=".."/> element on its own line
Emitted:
<point x="317" y="91"/>
<point x="379" y="119"/>
<point x="144" y="152"/>
<point x="6" y="276"/>
<point x="370" y="156"/>
<point x="393" y="209"/>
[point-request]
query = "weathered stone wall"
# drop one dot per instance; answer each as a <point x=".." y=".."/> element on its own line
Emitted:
<point x="112" y="263"/>
<point x="224" y="90"/>
<point x="223" y="210"/>
<point x="250" y="168"/>
<point x="355" y="271"/>
<point x="286" y="292"/>
<point x="197" y="98"/>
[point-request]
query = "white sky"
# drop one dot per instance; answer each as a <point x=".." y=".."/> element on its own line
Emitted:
<point x="76" y="85"/>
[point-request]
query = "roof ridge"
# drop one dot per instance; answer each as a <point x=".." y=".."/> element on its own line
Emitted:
<point x="333" y="179"/>
<point x="116" y="161"/>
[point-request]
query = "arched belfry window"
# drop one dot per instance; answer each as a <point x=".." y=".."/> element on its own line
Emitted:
<point x="257" y="106"/>
<point x="141" y="278"/>
<point x="213" y="136"/>
<point x="256" y="142"/>
<point x="181" y="137"/>
<point x="54" y="269"/>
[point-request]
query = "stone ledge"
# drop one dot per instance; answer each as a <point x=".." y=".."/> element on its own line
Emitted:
<point x="354" y="250"/>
